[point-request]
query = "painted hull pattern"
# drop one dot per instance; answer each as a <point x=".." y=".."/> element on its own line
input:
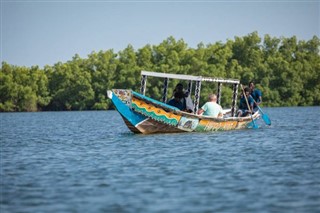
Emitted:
<point x="145" y="115"/>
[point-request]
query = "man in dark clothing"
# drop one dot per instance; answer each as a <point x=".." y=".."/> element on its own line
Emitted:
<point x="182" y="99"/>
<point x="256" y="95"/>
<point x="243" y="106"/>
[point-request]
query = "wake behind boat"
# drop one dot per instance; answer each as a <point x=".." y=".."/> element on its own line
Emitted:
<point x="145" y="115"/>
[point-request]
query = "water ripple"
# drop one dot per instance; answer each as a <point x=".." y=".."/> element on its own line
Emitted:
<point x="90" y="162"/>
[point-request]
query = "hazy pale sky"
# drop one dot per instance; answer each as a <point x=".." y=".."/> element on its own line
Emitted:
<point x="44" y="32"/>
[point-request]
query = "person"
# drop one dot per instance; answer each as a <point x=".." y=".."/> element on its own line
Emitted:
<point x="181" y="99"/>
<point x="178" y="101"/>
<point x="211" y="108"/>
<point x="256" y="95"/>
<point x="243" y="106"/>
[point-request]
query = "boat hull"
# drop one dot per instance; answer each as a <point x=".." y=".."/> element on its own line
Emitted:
<point x="144" y="115"/>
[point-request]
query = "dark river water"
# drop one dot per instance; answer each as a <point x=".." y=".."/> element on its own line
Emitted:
<point x="90" y="162"/>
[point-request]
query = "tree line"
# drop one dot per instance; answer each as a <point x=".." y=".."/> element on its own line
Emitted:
<point x="286" y="70"/>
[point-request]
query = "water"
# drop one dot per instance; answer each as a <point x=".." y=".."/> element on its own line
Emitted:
<point x="90" y="162"/>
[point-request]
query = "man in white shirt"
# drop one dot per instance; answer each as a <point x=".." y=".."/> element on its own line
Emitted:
<point x="211" y="108"/>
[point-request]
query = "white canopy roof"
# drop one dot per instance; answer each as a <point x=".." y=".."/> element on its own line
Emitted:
<point x="189" y="77"/>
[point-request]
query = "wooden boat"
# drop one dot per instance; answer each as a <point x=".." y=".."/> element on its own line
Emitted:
<point x="145" y="115"/>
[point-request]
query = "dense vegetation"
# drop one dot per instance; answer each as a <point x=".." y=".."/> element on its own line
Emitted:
<point x="286" y="70"/>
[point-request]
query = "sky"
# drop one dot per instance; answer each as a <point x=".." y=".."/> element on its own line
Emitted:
<point x="44" y="32"/>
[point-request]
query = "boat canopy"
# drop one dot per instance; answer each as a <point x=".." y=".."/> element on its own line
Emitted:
<point x="191" y="79"/>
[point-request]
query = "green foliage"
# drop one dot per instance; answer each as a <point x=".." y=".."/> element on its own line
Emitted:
<point x="286" y="70"/>
<point x="22" y="88"/>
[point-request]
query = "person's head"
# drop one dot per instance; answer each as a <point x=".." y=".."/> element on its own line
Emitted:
<point x="251" y="85"/>
<point x="212" y="97"/>
<point x="179" y="87"/>
<point x="247" y="91"/>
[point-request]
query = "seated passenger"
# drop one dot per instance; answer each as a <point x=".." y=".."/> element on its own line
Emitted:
<point x="243" y="106"/>
<point x="178" y="101"/>
<point x="182" y="99"/>
<point x="211" y="108"/>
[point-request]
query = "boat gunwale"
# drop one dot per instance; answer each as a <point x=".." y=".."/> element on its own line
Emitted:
<point x="176" y="111"/>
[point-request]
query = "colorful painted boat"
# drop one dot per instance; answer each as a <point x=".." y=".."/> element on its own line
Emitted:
<point x="145" y="115"/>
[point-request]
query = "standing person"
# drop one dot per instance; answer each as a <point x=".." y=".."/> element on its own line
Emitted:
<point x="211" y="108"/>
<point x="243" y="106"/>
<point x="256" y="95"/>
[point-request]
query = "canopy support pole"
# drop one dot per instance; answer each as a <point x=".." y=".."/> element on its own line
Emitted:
<point x="234" y="99"/>
<point x="197" y="97"/>
<point x="143" y="84"/>
<point x="165" y="90"/>
<point x="219" y="92"/>
<point x="190" y="87"/>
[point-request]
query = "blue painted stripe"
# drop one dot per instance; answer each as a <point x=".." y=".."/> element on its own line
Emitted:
<point x="133" y="117"/>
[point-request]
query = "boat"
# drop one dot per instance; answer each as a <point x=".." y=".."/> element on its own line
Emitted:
<point x="143" y="114"/>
